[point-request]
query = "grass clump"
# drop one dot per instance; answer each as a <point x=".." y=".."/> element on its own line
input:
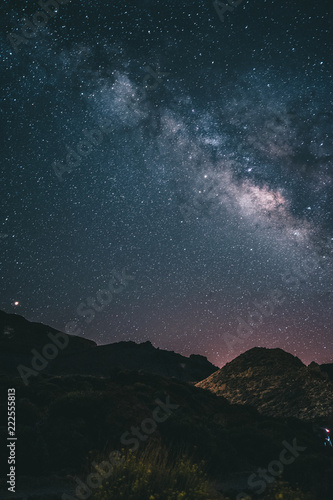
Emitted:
<point x="155" y="475"/>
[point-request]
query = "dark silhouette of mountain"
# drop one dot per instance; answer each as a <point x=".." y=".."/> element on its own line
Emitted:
<point x="19" y="337"/>
<point x="274" y="382"/>
<point x="102" y="360"/>
<point x="19" y="334"/>
<point x="91" y="400"/>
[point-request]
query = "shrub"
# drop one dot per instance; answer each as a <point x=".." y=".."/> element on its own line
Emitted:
<point x="152" y="475"/>
<point x="281" y="490"/>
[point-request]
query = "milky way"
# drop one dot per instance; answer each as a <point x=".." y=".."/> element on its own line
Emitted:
<point x="168" y="176"/>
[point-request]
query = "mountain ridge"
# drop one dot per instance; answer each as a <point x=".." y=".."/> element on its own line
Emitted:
<point x="19" y="337"/>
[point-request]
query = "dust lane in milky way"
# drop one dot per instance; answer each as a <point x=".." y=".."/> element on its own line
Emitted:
<point x="167" y="173"/>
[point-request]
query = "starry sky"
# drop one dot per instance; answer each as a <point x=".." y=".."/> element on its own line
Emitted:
<point x="167" y="172"/>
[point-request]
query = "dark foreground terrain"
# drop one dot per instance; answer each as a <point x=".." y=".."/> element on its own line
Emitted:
<point x="186" y="442"/>
<point x="250" y="430"/>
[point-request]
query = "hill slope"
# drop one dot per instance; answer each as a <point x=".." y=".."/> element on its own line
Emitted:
<point x="276" y="383"/>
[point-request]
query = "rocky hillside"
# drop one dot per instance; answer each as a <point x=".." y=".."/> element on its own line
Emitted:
<point x="276" y="383"/>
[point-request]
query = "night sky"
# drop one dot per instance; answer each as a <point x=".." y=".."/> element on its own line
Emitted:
<point x="182" y="161"/>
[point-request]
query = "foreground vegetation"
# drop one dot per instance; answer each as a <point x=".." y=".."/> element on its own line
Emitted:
<point x="200" y="452"/>
<point x="155" y="475"/>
